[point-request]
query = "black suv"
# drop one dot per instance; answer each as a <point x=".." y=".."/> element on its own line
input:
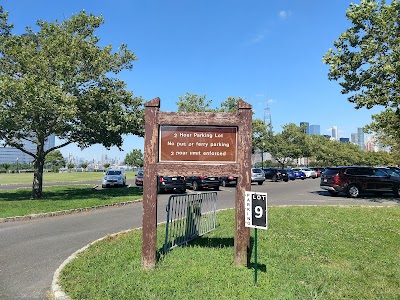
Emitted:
<point x="273" y="174"/>
<point x="354" y="180"/>
<point x="200" y="182"/>
<point x="171" y="183"/>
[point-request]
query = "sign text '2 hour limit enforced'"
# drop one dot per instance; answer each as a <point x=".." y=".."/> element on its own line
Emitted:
<point x="256" y="210"/>
<point x="198" y="144"/>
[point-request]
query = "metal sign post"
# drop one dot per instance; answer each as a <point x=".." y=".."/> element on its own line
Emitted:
<point x="256" y="217"/>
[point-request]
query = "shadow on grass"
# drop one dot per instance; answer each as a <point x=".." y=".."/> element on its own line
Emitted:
<point x="67" y="193"/>
<point x="213" y="242"/>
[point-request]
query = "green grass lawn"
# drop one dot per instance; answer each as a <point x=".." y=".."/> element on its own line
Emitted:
<point x="17" y="202"/>
<point x="27" y="178"/>
<point x="307" y="253"/>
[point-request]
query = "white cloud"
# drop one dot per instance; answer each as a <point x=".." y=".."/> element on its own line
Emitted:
<point x="284" y="14"/>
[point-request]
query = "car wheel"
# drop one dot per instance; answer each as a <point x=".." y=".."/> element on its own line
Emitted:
<point x="286" y="180"/>
<point x="333" y="193"/>
<point x="182" y="190"/>
<point x="216" y="188"/>
<point x="260" y="182"/>
<point x="302" y="178"/>
<point x="195" y="186"/>
<point x="224" y="183"/>
<point x="353" y="191"/>
<point x="103" y="186"/>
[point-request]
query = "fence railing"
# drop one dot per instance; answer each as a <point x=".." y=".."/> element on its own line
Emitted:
<point x="188" y="217"/>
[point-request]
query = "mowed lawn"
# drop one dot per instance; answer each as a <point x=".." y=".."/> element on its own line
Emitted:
<point x="18" y="202"/>
<point x="49" y="177"/>
<point x="306" y="253"/>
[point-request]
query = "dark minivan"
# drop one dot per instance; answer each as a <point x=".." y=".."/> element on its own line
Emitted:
<point x="355" y="180"/>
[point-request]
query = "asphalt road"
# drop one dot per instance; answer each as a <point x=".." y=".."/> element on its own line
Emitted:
<point x="31" y="251"/>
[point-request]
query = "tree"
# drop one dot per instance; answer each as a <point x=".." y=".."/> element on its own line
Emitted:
<point x="366" y="60"/>
<point x="55" y="160"/>
<point x="6" y="166"/>
<point x="193" y="103"/>
<point x="289" y="144"/>
<point x="134" y="158"/>
<point x="106" y="165"/>
<point x="84" y="166"/>
<point x="58" y="82"/>
<point x="70" y="166"/>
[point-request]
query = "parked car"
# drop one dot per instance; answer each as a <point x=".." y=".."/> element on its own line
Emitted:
<point x="284" y="175"/>
<point x="228" y="180"/>
<point x="318" y="170"/>
<point x="309" y="173"/>
<point x="114" y="177"/>
<point x="355" y="180"/>
<point x="171" y="183"/>
<point x="257" y="175"/>
<point x="201" y="182"/>
<point x="272" y="173"/>
<point x="300" y="174"/>
<point x="291" y="174"/>
<point x="139" y="178"/>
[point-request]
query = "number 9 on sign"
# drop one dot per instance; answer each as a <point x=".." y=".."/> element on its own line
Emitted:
<point x="258" y="212"/>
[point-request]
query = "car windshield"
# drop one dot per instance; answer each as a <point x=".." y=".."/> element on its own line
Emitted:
<point x="257" y="171"/>
<point x="113" y="173"/>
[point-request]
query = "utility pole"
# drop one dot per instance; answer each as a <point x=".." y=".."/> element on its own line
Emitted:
<point x="267" y="116"/>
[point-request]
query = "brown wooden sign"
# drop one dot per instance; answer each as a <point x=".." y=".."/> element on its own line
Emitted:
<point x="198" y="144"/>
<point x="224" y="148"/>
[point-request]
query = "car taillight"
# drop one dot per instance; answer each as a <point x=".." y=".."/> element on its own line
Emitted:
<point x="161" y="179"/>
<point x="336" y="179"/>
<point x="203" y="177"/>
<point x="184" y="178"/>
<point x="230" y="177"/>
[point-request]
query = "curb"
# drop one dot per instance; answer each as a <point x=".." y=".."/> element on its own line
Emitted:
<point x="64" y="212"/>
<point x="55" y="288"/>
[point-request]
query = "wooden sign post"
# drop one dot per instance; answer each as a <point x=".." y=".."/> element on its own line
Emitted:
<point x="201" y="143"/>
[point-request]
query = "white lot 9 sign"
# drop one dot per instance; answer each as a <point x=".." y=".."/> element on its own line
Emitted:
<point x="256" y="210"/>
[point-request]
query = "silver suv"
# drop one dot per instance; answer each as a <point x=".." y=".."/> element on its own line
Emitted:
<point x="114" y="177"/>
<point x="257" y="175"/>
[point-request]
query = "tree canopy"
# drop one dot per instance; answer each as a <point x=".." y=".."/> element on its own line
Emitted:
<point x="366" y="62"/>
<point x="57" y="81"/>
<point x="55" y="160"/>
<point x="134" y="158"/>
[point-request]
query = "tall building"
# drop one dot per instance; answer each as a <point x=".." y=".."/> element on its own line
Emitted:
<point x="306" y="125"/>
<point x="354" y="138"/>
<point x="12" y="155"/>
<point x="360" y="138"/>
<point x="315" y="129"/>
<point x="335" y="134"/>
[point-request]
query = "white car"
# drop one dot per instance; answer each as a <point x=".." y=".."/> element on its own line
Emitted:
<point x="309" y="173"/>
<point x="114" y="177"/>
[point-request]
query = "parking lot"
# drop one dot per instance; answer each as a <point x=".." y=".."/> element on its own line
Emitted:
<point x="297" y="192"/>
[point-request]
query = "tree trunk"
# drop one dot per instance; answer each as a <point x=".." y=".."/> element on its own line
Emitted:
<point x="38" y="166"/>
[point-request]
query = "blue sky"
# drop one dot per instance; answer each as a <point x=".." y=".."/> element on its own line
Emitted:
<point x="262" y="51"/>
